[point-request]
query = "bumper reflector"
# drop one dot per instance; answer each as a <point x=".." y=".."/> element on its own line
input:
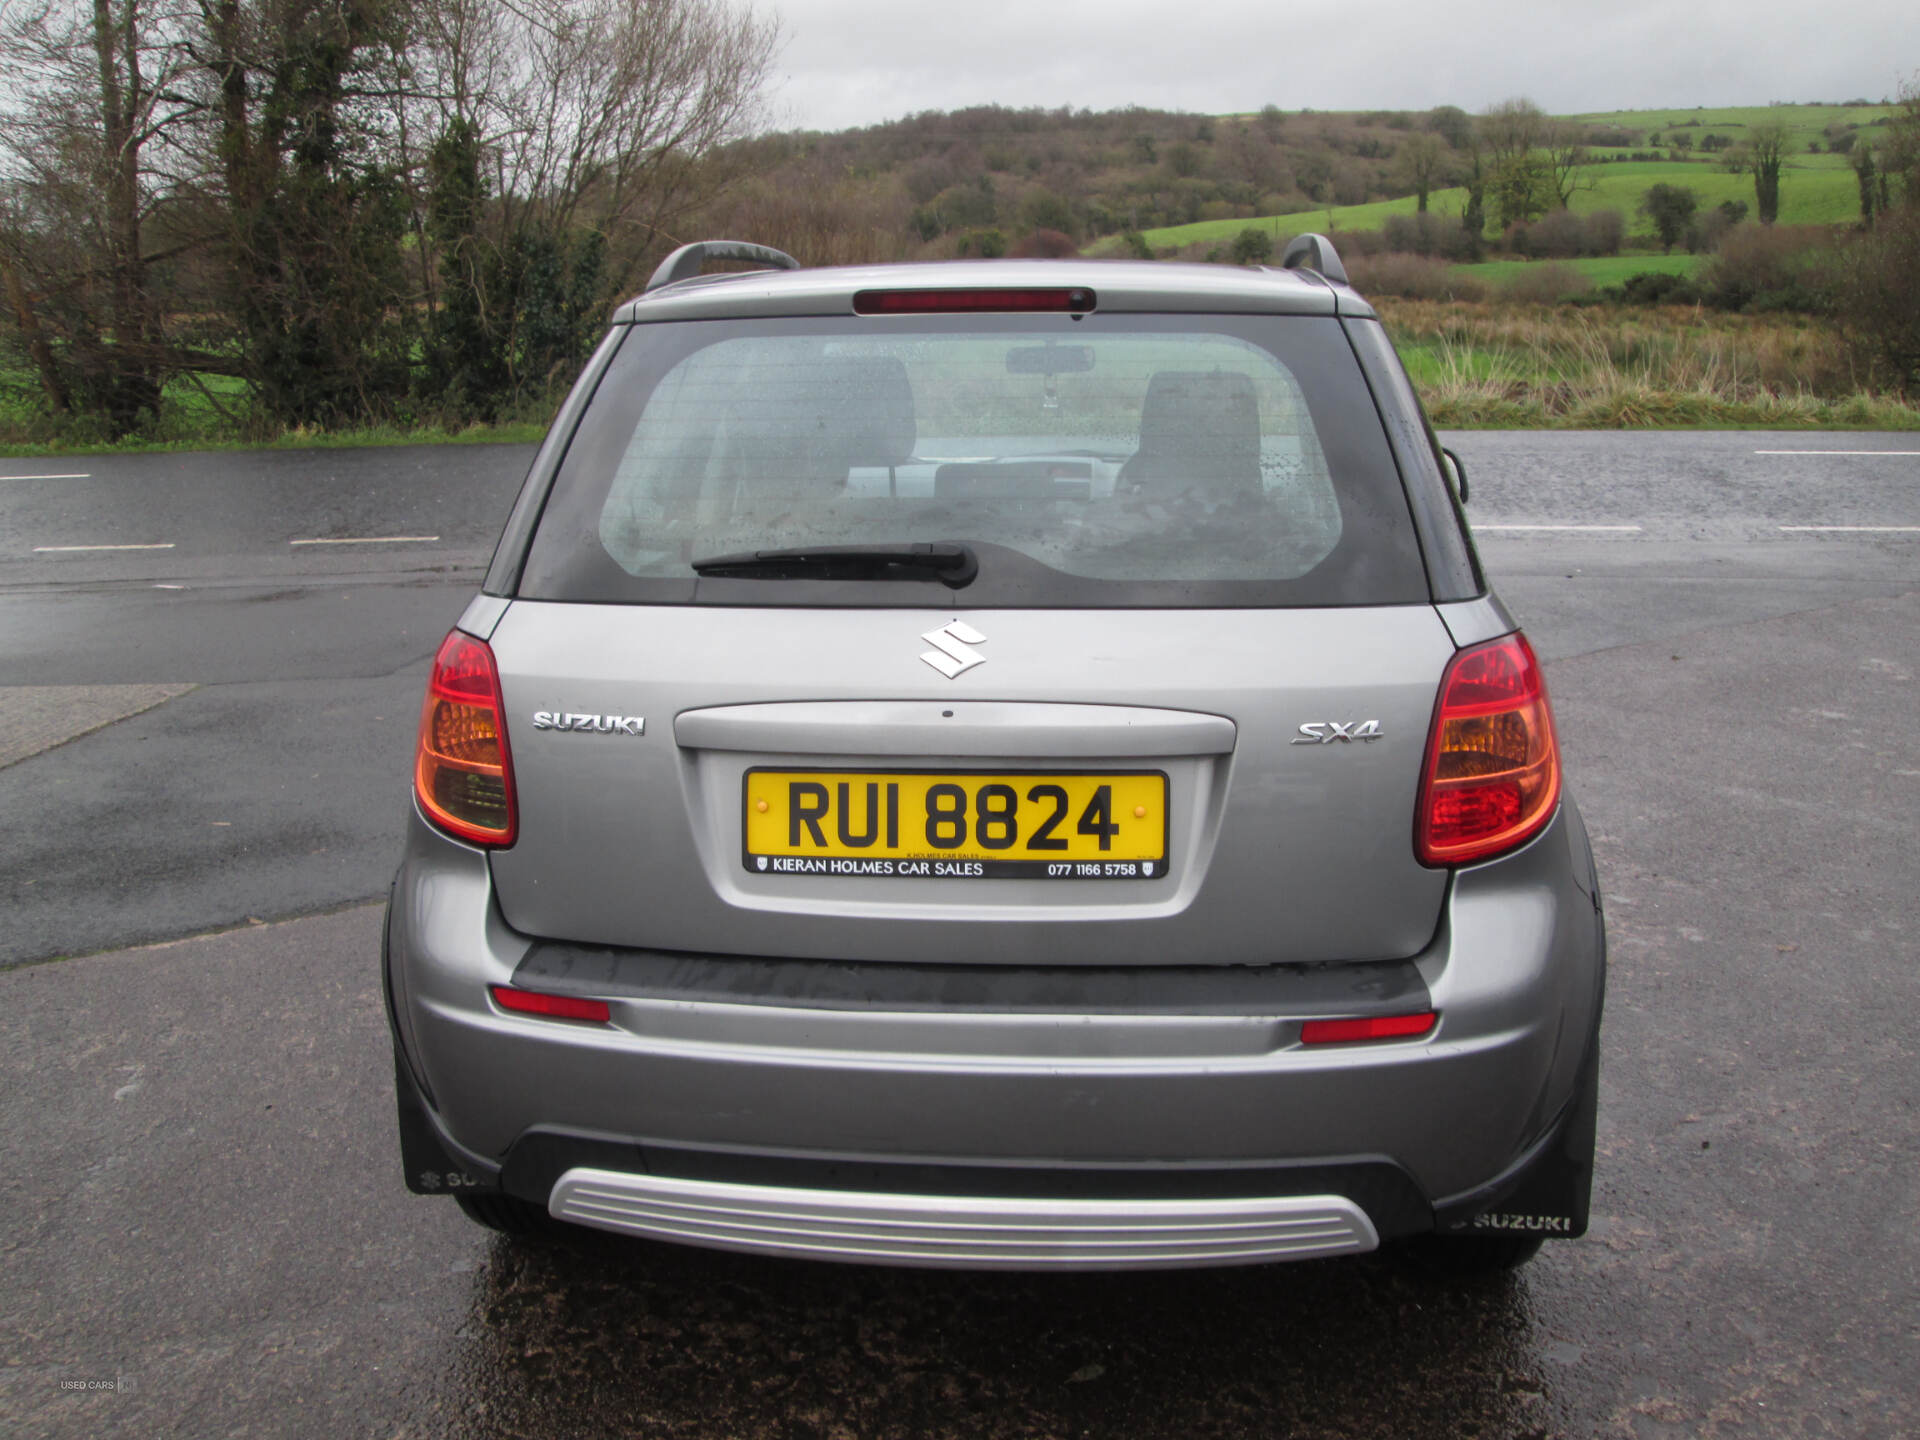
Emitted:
<point x="1376" y="1027"/>
<point x="551" y="1007"/>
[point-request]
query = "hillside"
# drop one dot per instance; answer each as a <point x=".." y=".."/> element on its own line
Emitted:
<point x="978" y="180"/>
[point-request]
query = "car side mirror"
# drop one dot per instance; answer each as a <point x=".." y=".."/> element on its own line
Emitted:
<point x="1456" y="473"/>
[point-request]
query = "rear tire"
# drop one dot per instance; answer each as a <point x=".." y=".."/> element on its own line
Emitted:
<point x="1465" y="1256"/>
<point x="505" y="1214"/>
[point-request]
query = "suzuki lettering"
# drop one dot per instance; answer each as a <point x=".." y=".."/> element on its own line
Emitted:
<point x="600" y="724"/>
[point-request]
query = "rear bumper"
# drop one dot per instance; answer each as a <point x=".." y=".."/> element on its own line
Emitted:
<point x="1137" y="1130"/>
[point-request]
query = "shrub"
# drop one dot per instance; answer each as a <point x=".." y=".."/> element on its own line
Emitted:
<point x="1773" y="267"/>
<point x="1425" y="233"/>
<point x="1043" y="210"/>
<point x="1879" y="290"/>
<point x="983" y="244"/>
<point x="1412" y="277"/>
<point x="1356" y="242"/>
<point x="1253" y="246"/>
<point x="1606" y="229"/>
<point x="1657" y="287"/>
<point x="1707" y="230"/>
<point x="1045" y="245"/>
<point x="1559" y="236"/>
<point x="1136" y="245"/>
<point x="1548" y="284"/>
<point x="1671" y="209"/>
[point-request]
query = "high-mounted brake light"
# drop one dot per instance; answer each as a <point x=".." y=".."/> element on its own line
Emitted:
<point x="1492" y="775"/>
<point x="1077" y="301"/>
<point x="1373" y="1027"/>
<point x="551" y="1007"/>
<point x="462" y="771"/>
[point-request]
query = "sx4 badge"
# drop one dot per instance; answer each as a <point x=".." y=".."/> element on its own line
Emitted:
<point x="1325" y="732"/>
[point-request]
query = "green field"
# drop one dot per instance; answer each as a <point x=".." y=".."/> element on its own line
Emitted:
<point x="1815" y="189"/>
<point x="1600" y="269"/>
<point x="1804" y="123"/>
<point x="1808" y="196"/>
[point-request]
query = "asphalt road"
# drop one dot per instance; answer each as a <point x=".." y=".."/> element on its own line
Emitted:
<point x="199" y="1189"/>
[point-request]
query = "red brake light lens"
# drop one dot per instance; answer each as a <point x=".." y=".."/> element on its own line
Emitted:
<point x="1376" y="1027"/>
<point x="1077" y="300"/>
<point x="462" y="772"/>
<point x="550" y="1007"/>
<point x="1492" y="775"/>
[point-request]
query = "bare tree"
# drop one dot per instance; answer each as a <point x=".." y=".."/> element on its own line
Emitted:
<point x="598" y="113"/>
<point x="1563" y="145"/>
<point x="1511" y="130"/>
<point x="563" y="143"/>
<point x="1425" y="164"/>
<point x="90" y="126"/>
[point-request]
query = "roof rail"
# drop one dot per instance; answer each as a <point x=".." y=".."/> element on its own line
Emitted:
<point x="689" y="260"/>
<point x="1316" y="253"/>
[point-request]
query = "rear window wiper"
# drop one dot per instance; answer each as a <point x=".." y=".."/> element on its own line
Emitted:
<point x="952" y="565"/>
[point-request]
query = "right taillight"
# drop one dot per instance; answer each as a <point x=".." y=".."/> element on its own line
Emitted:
<point x="1493" y="767"/>
<point x="462" y="772"/>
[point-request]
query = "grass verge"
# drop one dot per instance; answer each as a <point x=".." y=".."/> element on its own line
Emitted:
<point x="1480" y="366"/>
<point x="298" y="439"/>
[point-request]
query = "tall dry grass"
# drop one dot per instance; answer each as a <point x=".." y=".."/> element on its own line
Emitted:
<point x="1588" y="368"/>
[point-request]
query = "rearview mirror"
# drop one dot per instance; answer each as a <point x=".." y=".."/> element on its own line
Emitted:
<point x="1050" y="360"/>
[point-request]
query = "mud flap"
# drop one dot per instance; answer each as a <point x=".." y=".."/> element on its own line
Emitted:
<point x="1549" y="1192"/>
<point x="431" y="1166"/>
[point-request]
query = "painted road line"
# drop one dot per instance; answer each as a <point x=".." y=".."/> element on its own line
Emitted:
<point x="76" y="549"/>
<point x="46" y="477"/>
<point x="1589" y="529"/>
<point x="374" y="540"/>
<point x="1851" y="529"/>
<point x="1907" y="453"/>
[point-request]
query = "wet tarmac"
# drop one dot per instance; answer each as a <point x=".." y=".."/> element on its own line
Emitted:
<point x="203" y="1229"/>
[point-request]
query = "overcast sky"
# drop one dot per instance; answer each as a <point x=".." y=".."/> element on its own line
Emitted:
<point x="855" y="62"/>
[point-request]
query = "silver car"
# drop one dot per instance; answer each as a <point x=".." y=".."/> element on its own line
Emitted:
<point x="1000" y="765"/>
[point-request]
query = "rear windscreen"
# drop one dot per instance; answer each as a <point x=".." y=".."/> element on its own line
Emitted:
<point x="1119" y="460"/>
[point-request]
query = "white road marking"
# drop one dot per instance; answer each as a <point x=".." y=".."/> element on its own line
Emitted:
<point x="374" y="540"/>
<point x="74" y="549"/>
<point x="1851" y="529"/>
<point x="46" y="477"/>
<point x="1613" y="529"/>
<point x="1908" y="453"/>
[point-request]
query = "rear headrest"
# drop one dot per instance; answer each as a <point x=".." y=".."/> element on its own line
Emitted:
<point x="872" y="402"/>
<point x="1199" y="429"/>
<point x="1189" y="412"/>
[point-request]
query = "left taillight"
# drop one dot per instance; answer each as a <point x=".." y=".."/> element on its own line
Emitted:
<point x="462" y="770"/>
<point x="1493" y="766"/>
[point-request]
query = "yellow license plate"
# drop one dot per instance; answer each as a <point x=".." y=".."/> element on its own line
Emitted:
<point x="957" y="825"/>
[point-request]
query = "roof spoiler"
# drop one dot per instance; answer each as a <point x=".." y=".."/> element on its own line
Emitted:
<point x="689" y="260"/>
<point x="1310" y="252"/>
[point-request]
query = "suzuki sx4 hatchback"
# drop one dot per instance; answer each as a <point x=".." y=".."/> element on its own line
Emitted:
<point x="997" y="765"/>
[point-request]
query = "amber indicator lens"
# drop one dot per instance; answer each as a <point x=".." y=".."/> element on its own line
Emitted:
<point x="462" y="774"/>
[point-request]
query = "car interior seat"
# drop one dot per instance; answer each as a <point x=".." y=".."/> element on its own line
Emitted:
<point x="1199" y="438"/>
